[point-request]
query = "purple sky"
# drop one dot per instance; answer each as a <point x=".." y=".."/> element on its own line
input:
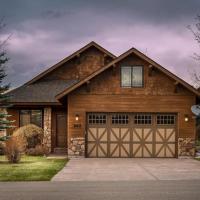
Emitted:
<point x="45" y="31"/>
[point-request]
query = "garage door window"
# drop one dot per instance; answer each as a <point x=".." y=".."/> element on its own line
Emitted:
<point x="142" y="119"/>
<point x="119" y="119"/>
<point x="97" y="119"/>
<point x="165" y="119"/>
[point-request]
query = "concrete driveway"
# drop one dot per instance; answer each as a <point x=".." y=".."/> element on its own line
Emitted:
<point x="122" y="169"/>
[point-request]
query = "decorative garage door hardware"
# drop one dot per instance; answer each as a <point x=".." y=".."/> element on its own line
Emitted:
<point x="131" y="135"/>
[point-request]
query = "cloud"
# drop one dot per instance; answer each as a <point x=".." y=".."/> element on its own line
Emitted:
<point x="45" y="32"/>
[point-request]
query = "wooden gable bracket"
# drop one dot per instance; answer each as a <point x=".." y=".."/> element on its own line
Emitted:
<point x="78" y="60"/>
<point x="176" y="85"/>
<point x="88" y="86"/>
<point x="150" y="70"/>
<point x="114" y="70"/>
<point x="105" y="60"/>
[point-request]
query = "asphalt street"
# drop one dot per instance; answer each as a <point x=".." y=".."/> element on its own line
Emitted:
<point x="115" y="190"/>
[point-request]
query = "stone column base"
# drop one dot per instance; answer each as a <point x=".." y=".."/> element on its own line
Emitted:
<point x="186" y="147"/>
<point x="76" y="147"/>
<point x="47" y="129"/>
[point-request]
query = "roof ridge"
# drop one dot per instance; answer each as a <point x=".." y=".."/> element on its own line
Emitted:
<point x="55" y="66"/>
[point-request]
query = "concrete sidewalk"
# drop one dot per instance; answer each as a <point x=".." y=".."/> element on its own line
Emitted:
<point x="122" y="169"/>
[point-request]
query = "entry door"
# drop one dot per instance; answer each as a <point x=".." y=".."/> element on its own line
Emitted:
<point x="61" y="130"/>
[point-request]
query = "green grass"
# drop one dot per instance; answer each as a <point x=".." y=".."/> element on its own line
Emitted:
<point x="30" y="168"/>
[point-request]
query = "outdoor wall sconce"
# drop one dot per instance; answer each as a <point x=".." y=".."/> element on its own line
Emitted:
<point x="76" y="117"/>
<point x="186" y="118"/>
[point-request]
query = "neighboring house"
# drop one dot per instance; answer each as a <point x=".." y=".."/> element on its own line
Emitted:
<point x="95" y="104"/>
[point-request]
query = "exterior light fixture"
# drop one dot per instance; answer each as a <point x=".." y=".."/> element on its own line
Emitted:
<point x="76" y="117"/>
<point x="186" y="118"/>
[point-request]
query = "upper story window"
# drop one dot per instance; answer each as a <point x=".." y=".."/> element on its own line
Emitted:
<point x="31" y="117"/>
<point x="132" y="76"/>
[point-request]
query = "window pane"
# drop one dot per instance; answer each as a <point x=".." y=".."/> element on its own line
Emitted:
<point x="31" y="117"/>
<point x="137" y="76"/>
<point x="126" y="76"/>
<point x="36" y="117"/>
<point x="24" y="117"/>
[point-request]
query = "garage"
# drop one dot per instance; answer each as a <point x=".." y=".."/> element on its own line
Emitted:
<point x="134" y="135"/>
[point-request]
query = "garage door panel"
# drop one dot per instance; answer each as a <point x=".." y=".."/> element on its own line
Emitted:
<point x="114" y="134"/>
<point x="137" y="135"/>
<point x="102" y="134"/>
<point x="148" y="150"/>
<point x="114" y="150"/>
<point x="125" y="150"/>
<point x="125" y="134"/>
<point x="160" y="134"/>
<point x="91" y="150"/>
<point x="170" y="151"/>
<point x="102" y="150"/>
<point x="137" y="150"/>
<point x="170" y="135"/>
<point x="160" y="150"/>
<point x="92" y="134"/>
<point x="148" y="135"/>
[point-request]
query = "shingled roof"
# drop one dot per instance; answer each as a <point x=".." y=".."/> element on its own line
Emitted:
<point x="34" y="92"/>
<point x="41" y="92"/>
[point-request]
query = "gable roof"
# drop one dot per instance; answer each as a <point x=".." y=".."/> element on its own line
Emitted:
<point x="94" y="44"/>
<point x="122" y="56"/>
<point x="42" y="92"/>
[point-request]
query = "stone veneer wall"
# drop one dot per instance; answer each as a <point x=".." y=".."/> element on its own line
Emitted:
<point x="47" y="128"/>
<point x="76" y="146"/>
<point x="186" y="147"/>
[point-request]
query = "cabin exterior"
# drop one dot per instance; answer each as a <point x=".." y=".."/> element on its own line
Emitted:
<point x="95" y="104"/>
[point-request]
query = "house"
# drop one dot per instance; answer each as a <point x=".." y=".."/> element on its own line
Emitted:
<point x="95" y="104"/>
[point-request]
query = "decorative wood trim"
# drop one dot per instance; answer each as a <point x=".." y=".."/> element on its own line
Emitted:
<point x="176" y="85"/>
<point x="124" y="55"/>
<point x="150" y="70"/>
<point x="114" y="71"/>
<point x="88" y="86"/>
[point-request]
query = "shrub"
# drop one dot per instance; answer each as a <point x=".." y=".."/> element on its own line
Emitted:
<point x="2" y="148"/>
<point x="39" y="150"/>
<point x="31" y="136"/>
<point x="12" y="150"/>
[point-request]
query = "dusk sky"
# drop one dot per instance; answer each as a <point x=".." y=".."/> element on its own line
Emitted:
<point x="45" y="31"/>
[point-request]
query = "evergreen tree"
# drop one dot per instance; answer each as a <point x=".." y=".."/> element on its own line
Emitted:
<point x="5" y="123"/>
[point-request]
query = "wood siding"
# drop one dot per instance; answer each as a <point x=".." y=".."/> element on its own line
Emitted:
<point x="104" y="94"/>
<point x="80" y="66"/>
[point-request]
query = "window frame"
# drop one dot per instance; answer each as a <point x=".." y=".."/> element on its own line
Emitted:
<point x="42" y="119"/>
<point x="136" y="120"/>
<point x="115" y="120"/>
<point x="132" y="66"/>
<point x="166" y="115"/>
<point x="95" y="121"/>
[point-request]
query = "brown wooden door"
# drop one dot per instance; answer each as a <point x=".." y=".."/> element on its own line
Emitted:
<point x="61" y="130"/>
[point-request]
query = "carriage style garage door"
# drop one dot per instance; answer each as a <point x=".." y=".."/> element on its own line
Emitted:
<point x="131" y="135"/>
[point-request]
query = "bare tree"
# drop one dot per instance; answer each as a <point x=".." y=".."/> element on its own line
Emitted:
<point x="196" y="33"/>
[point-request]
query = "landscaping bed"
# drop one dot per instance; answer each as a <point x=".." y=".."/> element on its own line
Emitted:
<point x="31" y="168"/>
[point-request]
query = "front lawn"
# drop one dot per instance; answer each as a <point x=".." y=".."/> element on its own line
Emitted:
<point x="30" y="168"/>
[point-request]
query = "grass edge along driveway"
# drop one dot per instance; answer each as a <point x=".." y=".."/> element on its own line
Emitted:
<point x="31" y="168"/>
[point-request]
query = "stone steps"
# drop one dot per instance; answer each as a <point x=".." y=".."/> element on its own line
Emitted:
<point x="60" y="151"/>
